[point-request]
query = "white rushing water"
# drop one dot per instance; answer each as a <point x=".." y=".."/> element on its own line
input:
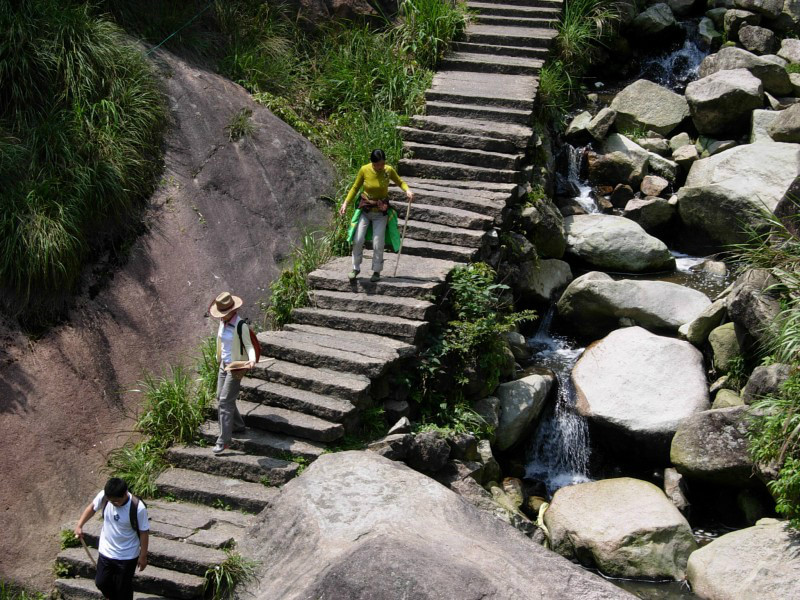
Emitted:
<point x="676" y="68"/>
<point x="558" y="454"/>
<point x="581" y="187"/>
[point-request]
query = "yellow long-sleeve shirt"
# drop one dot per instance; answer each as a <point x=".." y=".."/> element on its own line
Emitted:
<point x="376" y="183"/>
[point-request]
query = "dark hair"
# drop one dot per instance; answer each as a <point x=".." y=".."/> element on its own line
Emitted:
<point x="377" y="155"/>
<point x="115" y="488"/>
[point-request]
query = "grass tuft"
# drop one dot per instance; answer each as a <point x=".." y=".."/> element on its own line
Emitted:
<point x="241" y="125"/>
<point x="222" y="579"/>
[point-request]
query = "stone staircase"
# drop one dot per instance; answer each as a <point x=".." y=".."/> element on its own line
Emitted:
<point x="467" y="164"/>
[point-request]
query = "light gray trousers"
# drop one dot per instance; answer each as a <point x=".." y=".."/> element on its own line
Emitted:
<point x="378" y="221"/>
<point x="227" y="412"/>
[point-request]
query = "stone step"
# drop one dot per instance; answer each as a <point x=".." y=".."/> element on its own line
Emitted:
<point x="540" y="53"/>
<point x="197" y="524"/>
<point x="462" y="254"/>
<point x="476" y="99"/>
<point x="450" y="217"/>
<point x="408" y="330"/>
<point x="153" y="580"/>
<point x="478" y="187"/>
<point x="410" y="308"/>
<point x="338" y="337"/>
<point x="293" y="348"/>
<point x="288" y="422"/>
<point x="514" y="10"/>
<point x="497" y="114"/>
<point x="467" y="156"/>
<point x="466" y="202"/>
<point x="354" y="388"/>
<point x="81" y="588"/>
<point x="505" y="35"/>
<point x="266" y="443"/>
<point x="445" y="170"/>
<point x="557" y="4"/>
<point x="208" y="489"/>
<point x="234" y="464"/>
<point x="477" y="142"/>
<point x="329" y="408"/>
<point x="514" y="89"/>
<point x="398" y="287"/>
<point x="520" y="135"/>
<point x="491" y="63"/>
<point x="443" y="234"/>
<point x="166" y="553"/>
<point x="514" y="21"/>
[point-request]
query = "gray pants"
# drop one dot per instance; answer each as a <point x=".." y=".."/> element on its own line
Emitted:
<point x="378" y="221"/>
<point x="227" y="412"/>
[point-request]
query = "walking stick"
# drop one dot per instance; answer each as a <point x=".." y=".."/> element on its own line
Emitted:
<point x="402" y="239"/>
<point x="89" y="554"/>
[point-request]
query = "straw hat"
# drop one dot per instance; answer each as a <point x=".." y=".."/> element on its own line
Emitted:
<point x="224" y="304"/>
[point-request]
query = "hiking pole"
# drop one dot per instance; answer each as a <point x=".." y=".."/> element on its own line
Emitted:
<point x="89" y="554"/>
<point x="402" y="238"/>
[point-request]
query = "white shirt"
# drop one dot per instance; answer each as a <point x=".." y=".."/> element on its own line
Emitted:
<point x="118" y="540"/>
<point x="227" y="331"/>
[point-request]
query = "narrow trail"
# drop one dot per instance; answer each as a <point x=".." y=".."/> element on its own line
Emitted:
<point x="469" y="163"/>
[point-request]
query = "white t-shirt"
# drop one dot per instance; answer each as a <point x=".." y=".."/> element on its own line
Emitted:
<point x="118" y="540"/>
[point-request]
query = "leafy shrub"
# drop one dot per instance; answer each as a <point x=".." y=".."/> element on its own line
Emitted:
<point x="69" y="539"/>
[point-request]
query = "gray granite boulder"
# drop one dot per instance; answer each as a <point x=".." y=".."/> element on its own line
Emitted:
<point x="751" y="303"/>
<point x="728" y="188"/>
<point x="765" y="381"/>
<point x="655" y="22"/>
<point x="521" y="402"/>
<point x="697" y="330"/>
<point x="758" y="40"/>
<point x="790" y="50"/>
<point x="576" y="130"/>
<point x="720" y="103"/>
<point x="767" y="8"/>
<point x="428" y="451"/>
<point x="759" y="127"/>
<point x="622" y="161"/>
<point x="640" y="385"/>
<point x="709" y="33"/>
<point x="600" y="125"/>
<point x="357" y="526"/>
<point x="735" y="19"/>
<point x="726" y="399"/>
<point x="594" y="304"/>
<point x="712" y="446"/>
<point x="544" y="226"/>
<point x="615" y="244"/>
<point x="789" y="19"/>
<point x="651" y="213"/>
<point x="542" y="280"/>
<point x="625" y="527"/>
<point x="725" y="347"/>
<point x="785" y="127"/>
<point x="663" y="167"/>
<point x="758" y="562"/>
<point x="772" y="75"/>
<point x="649" y="105"/>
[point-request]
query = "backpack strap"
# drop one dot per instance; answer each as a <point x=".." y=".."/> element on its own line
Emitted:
<point x="134" y="514"/>
<point x="103" y="504"/>
<point x="239" y="328"/>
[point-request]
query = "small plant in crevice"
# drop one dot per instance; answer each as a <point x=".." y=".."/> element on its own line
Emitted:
<point x="222" y="579"/>
<point x="69" y="539"/>
<point x="240" y="125"/>
<point x="371" y="427"/>
<point x="220" y="504"/>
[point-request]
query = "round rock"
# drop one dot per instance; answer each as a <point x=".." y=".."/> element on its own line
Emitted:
<point x="649" y="105"/>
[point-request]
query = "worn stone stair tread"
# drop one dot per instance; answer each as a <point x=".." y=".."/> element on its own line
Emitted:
<point x="405" y="329"/>
<point x="401" y="287"/>
<point x="266" y="443"/>
<point x="500" y="49"/>
<point x="234" y="464"/>
<point x="458" y="140"/>
<point x="514" y="21"/>
<point x="204" y="487"/>
<point x="81" y="588"/>
<point x="320" y="381"/>
<point x="194" y="516"/>
<point x="444" y="199"/>
<point x="168" y="583"/>
<point x="383" y="352"/>
<point x="505" y="35"/>
<point x="499" y="111"/>
<point x="504" y="85"/>
<point x="431" y="232"/>
<point x="166" y="553"/>
<point x="519" y="134"/>
<point x="449" y="216"/>
<point x="498" y="59"/>
<point x="467" y="186"/>
<point x="467" y="156"/>
<point x="542" y="3"/>
<point x="291" y="398"/>
<point x="498" y="8"/>
<point x="302" y="352"/>
<point x="289" y="422"/>
<point x="403" y="349"/>
<point x="447" y="251"/>
<point x="443" y="188"/>
<point x="376" y="304"/>
<point x="454" y="170"/>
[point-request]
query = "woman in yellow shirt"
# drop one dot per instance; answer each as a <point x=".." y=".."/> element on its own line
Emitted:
<point x="374" y="206"/>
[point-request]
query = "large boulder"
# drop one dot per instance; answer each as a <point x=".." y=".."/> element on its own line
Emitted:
<point x="697" y="330"/>
<point x="641" y="385"/>
<point x="772" y="75"/>
<point x="785" y="127"/>
<point x="735" y="19"/>
<point x="541" y="280"/>
<point x="720" y="103"/>
<point x="789" y="19"/>
<point x="654" y="23"/>
<point x="758" y="562"/>
<point x="765" y="381"/>
<point x="790" y="50"/>
<point x="622" y="161"/>
<point x="729" y="188"/>
<point x="752" y="304"/>
<point x="767" y="8"/>
<point x="725" y="347"/>
<point x="361" y="527"/>
<point x="595" y="304"/>
<point x="615" y="244"/>
<point x="544" y="226"/>
<point x="712" y="446"/>
<point x="521" y="401"/>
<point x="625" y="527"/>
<point x="758" y="40"/>
<point x="651" y="213"/>
<point x="649" y="105"/>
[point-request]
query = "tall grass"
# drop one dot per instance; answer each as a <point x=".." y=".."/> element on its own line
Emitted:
<point x="81" y="118"/>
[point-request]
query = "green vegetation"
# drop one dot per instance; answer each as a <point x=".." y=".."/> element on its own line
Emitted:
<point x="175" y="405"/>
<point x="81" y="119"/>
<point x="223" y="579"/>
<point x="371" y="427"/>
<point x="11" y="592"/>
<point x="69" y="539"/>
<point x="793" y="68"/>
<point x="469" y="349"/>
<point x="240" y="125"/>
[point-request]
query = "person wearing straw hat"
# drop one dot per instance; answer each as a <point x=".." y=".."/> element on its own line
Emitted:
<point x="374" y="217"/>
<point x="235" y="358"/>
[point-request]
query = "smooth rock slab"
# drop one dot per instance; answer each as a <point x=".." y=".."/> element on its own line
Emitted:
<point x="615" y="244"/>
<point x="649" y="105"/>
<point x="758" y="562"/>
<point x="641" y="385"/>
<point x="357" y="526"/>
<point x="720" y="103"/>
<point x="626" y="527"/>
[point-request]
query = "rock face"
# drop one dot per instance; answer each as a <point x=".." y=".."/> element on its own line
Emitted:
<point x="649" y="105"/>
<point x="697" y="330"/>
<point x="521" y="401"/>
<point x="544" y="226"/>
<point x="765" y="380"/>
<point x="766" y="8"/>
<point x="772" y="75"/>
<point x="595" y="303"/>
<point x="541" y="280"/>
<point x="757" y="562"/>
<point x="758" y="40"/>
<point x="626" y="527"/>
<point x="721" y="102"/>
<point x="712" y="446"/>
<point x="361" y="527"/>
<point x="786" y="125"/>
<point x="725" y="346"/>
<point x="622" y="161"/>
<point x="650" y="213"/>
<point x="641" y="385"/>
<point x="723" y="190"/>
<point x="615" y="244"/>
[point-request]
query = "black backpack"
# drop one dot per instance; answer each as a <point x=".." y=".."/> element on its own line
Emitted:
<point x="132" y="512"/>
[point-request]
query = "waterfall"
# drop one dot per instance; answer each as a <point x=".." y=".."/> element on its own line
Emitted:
<point x="676" y="68"/>
<point x="558" y="454"/>
<point x="570" y="183"/>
